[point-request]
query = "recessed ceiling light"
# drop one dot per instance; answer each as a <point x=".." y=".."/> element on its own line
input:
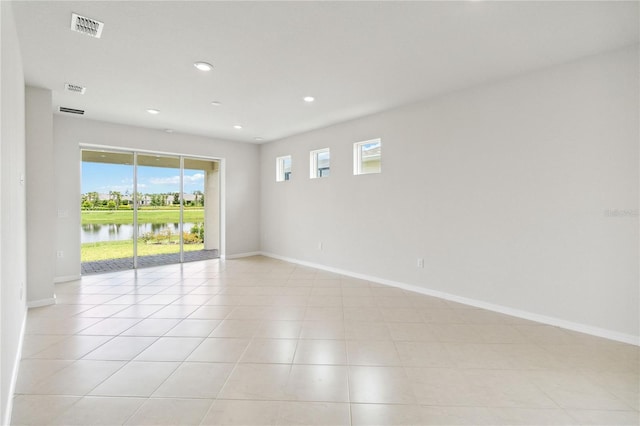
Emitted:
<point x="216" y="103"/>
<point x="168" y="130"/>
<point x="258" y="139"/>
<point x="153" y="111"/>
<point x="203" y="66"/>
<point x="309" y="99"/>
<point x="237" y="127"/>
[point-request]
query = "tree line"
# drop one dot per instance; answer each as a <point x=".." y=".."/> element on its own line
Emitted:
<point x="116" y="200"/>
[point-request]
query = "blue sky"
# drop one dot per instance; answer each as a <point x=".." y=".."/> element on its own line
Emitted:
<point x="102" y="178"/>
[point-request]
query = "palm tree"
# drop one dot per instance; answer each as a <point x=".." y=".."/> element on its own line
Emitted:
<point x="199" y="200"/>
<point x="93" y="197"/>
<point x="116" y="196"/>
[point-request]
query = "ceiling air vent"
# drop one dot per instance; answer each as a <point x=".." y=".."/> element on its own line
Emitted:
<point x="71" y="110"/>
<point x="74" y="88"/>
<point x="85" y="25"/>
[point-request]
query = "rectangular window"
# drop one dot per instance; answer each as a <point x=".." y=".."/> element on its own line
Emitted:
<point x="367" y="157"/>
<point x="283" y="168"/>
<point x="319" y="163"/>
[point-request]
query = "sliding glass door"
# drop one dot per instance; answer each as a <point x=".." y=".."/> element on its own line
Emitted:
<point x="107" y="211"/>
<point x="201" y="189"/>
<point x="159" y="224"/>
<point x="145" y="209"/>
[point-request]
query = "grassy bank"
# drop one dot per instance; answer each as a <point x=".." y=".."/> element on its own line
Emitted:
<point x="120" y="217"/>
<point x="120" y="249"/>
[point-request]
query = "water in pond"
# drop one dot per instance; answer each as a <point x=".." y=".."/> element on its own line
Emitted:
<point x="92" y="233"/>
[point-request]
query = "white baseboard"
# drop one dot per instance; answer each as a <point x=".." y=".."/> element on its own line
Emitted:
<point x="14" y="373"/>
<point x="66" y="278"/>
<point x="42" y="302"/>
<point x="241" y="255"/>
<point x="569" y="325"/>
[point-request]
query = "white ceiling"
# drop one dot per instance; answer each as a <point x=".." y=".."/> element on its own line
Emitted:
<point x="356" y="58"/>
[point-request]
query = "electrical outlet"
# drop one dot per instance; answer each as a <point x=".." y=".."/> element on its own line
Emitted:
<point x="320" y="246"/>
<point x="60" y="254"/>
<point x="21" y="291"/>
<point x="420" y="263"/>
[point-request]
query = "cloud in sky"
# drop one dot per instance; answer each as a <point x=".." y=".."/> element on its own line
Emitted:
<point x="102" y="178"/>
<point x="119" y="188"/>
<point x="175" y="180"/>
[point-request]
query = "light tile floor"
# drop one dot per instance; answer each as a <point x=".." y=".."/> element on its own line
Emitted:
<point x="259" y="341"/>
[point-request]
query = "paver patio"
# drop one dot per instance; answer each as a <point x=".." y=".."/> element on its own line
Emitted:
<point x="112" y="265"/>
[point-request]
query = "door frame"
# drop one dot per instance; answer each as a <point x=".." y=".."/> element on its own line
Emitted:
<point x="182" y="156"/>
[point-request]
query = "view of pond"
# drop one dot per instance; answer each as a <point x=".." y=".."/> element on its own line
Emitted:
<point x="92" y="233"/>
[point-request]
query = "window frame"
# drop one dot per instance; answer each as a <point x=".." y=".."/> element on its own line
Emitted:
<point x="314" y="171"/>
<point x="281" y="174"/>
<point x="357" y="157"/>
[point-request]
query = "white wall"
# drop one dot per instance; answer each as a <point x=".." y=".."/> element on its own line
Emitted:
<point x="241" y="179"/>
<point x="12" y="207"/>
<point x="41" y="197"/>
<point x="503" y="189"/>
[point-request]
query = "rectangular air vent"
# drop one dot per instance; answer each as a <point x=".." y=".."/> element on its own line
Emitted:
<point x="85" y="25"/>
<point x="71" y="110"/>
<point x="74" y="88"/>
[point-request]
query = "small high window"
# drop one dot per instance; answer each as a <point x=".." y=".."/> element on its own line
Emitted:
<point x="367" y="157"/>
<point x="319" y="163"/>
<point x="283" y="168"/>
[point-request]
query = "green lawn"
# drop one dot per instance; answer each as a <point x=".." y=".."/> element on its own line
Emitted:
<point x="120" y="249"/>
<point x="120" y="217"/>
